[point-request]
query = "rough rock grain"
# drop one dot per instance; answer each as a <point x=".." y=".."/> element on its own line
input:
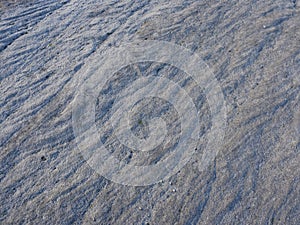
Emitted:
<point x="253" y="49"/>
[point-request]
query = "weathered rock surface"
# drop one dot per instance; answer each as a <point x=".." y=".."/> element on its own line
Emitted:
<point x="252" y="47"/>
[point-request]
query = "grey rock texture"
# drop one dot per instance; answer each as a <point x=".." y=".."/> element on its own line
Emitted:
<point x="252" y="47"/>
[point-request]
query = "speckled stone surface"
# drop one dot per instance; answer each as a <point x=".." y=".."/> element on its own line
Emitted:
<point x="252" y="48"/>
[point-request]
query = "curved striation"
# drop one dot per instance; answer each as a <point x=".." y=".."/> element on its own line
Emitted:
<point x="252" y="47"/>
